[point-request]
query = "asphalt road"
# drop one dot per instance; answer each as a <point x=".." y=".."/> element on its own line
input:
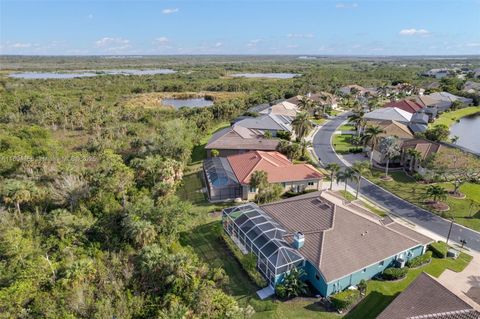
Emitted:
<point x="400" y="207"/>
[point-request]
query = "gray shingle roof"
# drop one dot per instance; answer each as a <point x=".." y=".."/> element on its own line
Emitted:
<point x="427" y="298"/>
<point x="241" y="138"/>
<point x="267" y="122"/>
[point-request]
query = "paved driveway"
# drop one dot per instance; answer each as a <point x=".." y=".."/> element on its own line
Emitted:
<point x="324" y="151"/>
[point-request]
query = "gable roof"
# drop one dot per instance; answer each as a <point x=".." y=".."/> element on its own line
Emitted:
<point x="282" y="108"/>
<point x="275" y="164"/>
<point x="425" y="147"/>
<point x="426" y="101"/>
<point x="241" y="138"/>
<point x="427" y="298"/>
<point x="392" y="128"/>
<point x="389" y="113"/>
<point x="268" y="122"/>
<point x="445" y="96"/>
<point x="406" y="105"/>
<point x="340" y="240"/>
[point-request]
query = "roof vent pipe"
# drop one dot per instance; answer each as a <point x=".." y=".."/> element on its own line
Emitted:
<point x="298" y="240"/>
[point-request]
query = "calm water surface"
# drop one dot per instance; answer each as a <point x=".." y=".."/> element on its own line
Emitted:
<point x="266" y="75"/>
<point x="195" y="102"/>
<point x="468" y="132"/>
<point x="89" y="73"/>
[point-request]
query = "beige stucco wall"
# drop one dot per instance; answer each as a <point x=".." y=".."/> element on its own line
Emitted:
<point x="302" y="185"/>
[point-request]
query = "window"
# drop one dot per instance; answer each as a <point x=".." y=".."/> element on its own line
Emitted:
<point x="310" y="183"/>
<point x="317" y="276"/>
<point x="253" y="189"/>
<point x="381" y="263"/>
<point x="364" y="270"/>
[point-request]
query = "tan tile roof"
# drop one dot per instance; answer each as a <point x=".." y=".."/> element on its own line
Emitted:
<point x="241" y="138"/>
<point x="392" y="128"/>
<point x="282" y="108"/>
<point x="427" y="298"/>
<point x="338" y="240"/>
<point x="426" y="148"/>
<point x="277" y="166"/>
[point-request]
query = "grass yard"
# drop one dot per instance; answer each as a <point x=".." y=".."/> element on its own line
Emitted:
<point x="349" y="196"/>
<point x="449" y="118"/>
<point x="346" y="127"/>
<point x="381" y="293"/>
<point x="406" y="188"/>
<point x="341" y="144"/>
<point x="198" y="152"/>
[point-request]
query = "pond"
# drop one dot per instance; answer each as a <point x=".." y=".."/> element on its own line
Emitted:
<point x="87" y="73"/>
<point x="266" y="75"/>
<point x="468" y="132"/>
<point x="194" y="102"/>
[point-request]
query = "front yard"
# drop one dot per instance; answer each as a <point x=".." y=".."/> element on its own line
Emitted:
<point x="414" y="192"/>
<point x="341" y="143"/>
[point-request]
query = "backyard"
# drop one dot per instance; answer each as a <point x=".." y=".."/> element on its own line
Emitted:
<point x="449" y="118"/>
<point x="414" y="192"/>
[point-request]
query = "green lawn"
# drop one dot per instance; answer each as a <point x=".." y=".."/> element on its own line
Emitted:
<point x="381" y="293"/>
<point x="319" y="121"/>
<point x="346" y="127"/>
<point x="198" y="152"/>
<point x="406" y="188"/>
<point x="449" y="118"/>
<point x="341" y="144"/>
<point x="349" y="196"/>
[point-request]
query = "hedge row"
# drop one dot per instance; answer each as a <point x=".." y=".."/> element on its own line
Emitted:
<point x="420" y="260"/>
<point x="248" y="262"/>
<point x="392" y="273"/>
<point x="439" y="249"/>
<point x="343" y="300"/>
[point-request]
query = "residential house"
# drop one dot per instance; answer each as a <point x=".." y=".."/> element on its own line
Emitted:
<point x="425" y="149"/>
<point x="284" y="108"/>
<point x="359" y="90"/>
<point x="229" y="178"/>
<point x="471" y="87"/>
<point x="406" y="105"/>
<point x="267" y="122"/>
<point x="336" y="245"/>
<point x="238" y="139"/>
<point x="426" y="297"/>
<point x="389" y="114"/>
<point x="319" y="99"/>
<point x="419" y="122"/>
<point x="438" y="73"/>
<point x="429" y="106"/>
<point x="449" y="98"/>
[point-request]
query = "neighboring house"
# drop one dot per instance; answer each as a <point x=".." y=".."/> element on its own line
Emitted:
<point x="427" y="298"/>
<point x="389" y="113"/>
<point x="438" y="73"/>
<point x="429" y="106"/>
<point x="268" y="122"/>
<point x="238" y="169"/>
<point x="238" y="139"/>
<point x="284" y="108"/>
<point x="336" y="245"/>
<point x="406" y="105"/>
<point x="448" y="97"/>
<point x="471" y="87"/>
<point x="476" y="73"/>
<point x="322" y="99"/>
<point x="419" y="122"/>
<point x="258" y="108"/>
<point x="425" y="149"/>
<point x="360" y="90"/>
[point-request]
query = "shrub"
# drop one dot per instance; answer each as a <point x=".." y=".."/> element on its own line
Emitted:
<point x="420" y="260"/>
<point x="439" y="249"/>
<point x="263" y="305"/>
<point x="355" y="150"/>
<point x="284" y="135"/>
<point x="248" y="262"/>
<point x="343" y="300"/>
<point x="392" y="273"/>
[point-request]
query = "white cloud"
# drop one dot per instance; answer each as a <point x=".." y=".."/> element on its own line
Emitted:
<point x="346" y="5"/>
<point x="19" y="45"/>
<point x="162" y="40"/>
<point x="301" y="35"/>
<point x="413" y="31"/>
<point x="170" y="10"/>
<point x="112" y="44"/>
<point x="253" y="43"/>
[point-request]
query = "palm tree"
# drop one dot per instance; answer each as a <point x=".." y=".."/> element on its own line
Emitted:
<point x="413" y="155"/>
<point x="372" y="135"/>
<point x="69" y="190"/>
<point x="334" y="168"/>
<point x="305" y="104"/>
<point x="292" y="284"/>
<point x="360" y="168"/>
<point x="436" y="192"/>
<point x="17" y="192"/>
<point x="302" y="125"/>
<point x="390" y="148"/>
<point x="304" y="145"/>
<point x="357" y="120"/>
<point x="259" y="180"/>
<point x="345" y="175"/>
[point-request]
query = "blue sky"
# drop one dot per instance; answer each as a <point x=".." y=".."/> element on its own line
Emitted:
<point x="388" y="27"/>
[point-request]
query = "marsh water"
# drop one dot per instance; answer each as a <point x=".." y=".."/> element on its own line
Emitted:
<point x="266" y="75"/>
<point x="87" y="73"/>
<point x="468" y="132"/>
<point x="193" y="102"/>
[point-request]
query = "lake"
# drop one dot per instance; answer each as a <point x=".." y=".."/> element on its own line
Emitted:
<point x="87" y="73"/>
<point x="468" y="132"/>
<point x="266" y="75"/>
<point x="194" y="102"/>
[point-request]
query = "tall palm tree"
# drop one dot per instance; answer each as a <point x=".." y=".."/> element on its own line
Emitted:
<point x="372" y="136"/>
<point x="357" y="120"/>
<point x="334" y="168"/>
<point x="390" y="148"/>
<point x="414" y="156"/>
<point x="360" y="168"/>
<point x="304" y="145"/>
<point x="302" y="125"/>
<point x="305" y="104"/>
<point x="346" y="175"/>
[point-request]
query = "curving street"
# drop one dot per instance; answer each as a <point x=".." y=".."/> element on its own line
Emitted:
<point x="326" y="154"/>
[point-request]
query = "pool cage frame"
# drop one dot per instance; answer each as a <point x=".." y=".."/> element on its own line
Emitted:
<point x="216" y="169"/>
<point x="256" y="232"/>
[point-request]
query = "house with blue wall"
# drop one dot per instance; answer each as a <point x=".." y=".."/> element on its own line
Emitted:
<point x="336" y="245"/>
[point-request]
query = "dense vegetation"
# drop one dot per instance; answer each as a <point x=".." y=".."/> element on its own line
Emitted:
<point x="89" y="220"/>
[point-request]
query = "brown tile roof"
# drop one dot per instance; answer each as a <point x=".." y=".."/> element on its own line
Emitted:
<point x="283" y="108"/>
<point x="427" y="298"/>
<point x="426" y="148"/>
<point x="241" y="138"/>
<point x="410" y="233"/>
<point x="338" y="240"/>
<point x="426" y="101"/>
<point x="277" y="166"/>
<point x="322" y="98"/>
<point x="392" y="128"/>
<point x="406" y="105"/>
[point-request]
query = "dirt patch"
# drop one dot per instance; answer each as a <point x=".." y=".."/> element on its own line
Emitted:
<point x="386" y="178"/>
<point x="457" y="195"/>
<point x="438" y="206"/>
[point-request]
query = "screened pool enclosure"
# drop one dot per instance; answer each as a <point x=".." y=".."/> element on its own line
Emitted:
<point x="254" y="231"/>
<point x="222" y="184"/>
